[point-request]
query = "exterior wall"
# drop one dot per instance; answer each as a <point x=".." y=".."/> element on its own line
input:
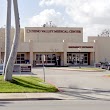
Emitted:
<point x="101" y="47"/>
<point x="24" y="47"/>
<point x="92" y="38"/>
<point x="2" y="39"/>
<point x="92" y="61"/>
<point x="47" y="47"/>
<point x="53" y="34"/>
<point x="2" y="34"/>
<point x="60" y="41"/>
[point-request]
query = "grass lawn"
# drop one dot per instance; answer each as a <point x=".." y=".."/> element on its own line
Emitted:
<point x="25" y="84"/>
<point x="97" y="69"/>
<point x="108" y="75"/>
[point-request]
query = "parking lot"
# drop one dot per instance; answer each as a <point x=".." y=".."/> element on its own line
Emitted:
<point x="86" y="85"/>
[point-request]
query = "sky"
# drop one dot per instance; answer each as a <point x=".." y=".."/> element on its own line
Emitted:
<point x="92" y="15"/>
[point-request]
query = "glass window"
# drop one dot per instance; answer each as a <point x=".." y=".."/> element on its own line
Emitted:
<point x="22" y="55"/>
<point x="75" y="58"/>
<point x="85" y="61"/>
<point x="20" y="58"/>
<point x="73" y="55"/>
<point x="85" y="54"/>
<point x="49" y="58"/>
<point x="18" y="62"/>
<point x="22" y="62"/>
<point x="85" y="58"/>
<point x="18" y="55"/>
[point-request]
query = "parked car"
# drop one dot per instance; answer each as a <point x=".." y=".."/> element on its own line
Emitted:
<point x="108" y="66"/>
<point x="97" y="64"/>
<point x="105" y="65"/>
<point x="1" y="69"/>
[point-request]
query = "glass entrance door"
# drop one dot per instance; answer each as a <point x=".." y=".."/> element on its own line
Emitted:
<point x="77" y="58"/>
<point x="50" y="59"/>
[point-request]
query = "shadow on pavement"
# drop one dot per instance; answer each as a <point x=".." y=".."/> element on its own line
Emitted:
<point x="24" y="73"/>
<point x="86" y="93"/>
<point x="2" y="103"/>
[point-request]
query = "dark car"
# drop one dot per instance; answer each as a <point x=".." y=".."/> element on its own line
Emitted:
<point x="105" y="65"/>
<point x="108" y="66"/>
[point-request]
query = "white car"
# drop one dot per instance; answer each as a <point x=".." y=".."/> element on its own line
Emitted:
<point x="1" y="68"/>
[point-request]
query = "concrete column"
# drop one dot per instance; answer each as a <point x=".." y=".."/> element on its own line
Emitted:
<point x="62" y="59"/>
<point x="96" y="51"/>
<point x="31" y="51"/>
<point x="92" y="58"/>
<point x="65" y="52"/>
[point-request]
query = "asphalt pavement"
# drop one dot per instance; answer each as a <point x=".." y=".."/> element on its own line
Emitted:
<point x="57" y="76"/>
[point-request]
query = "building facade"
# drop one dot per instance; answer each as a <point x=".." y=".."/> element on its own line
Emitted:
<point x="60" y="46"/>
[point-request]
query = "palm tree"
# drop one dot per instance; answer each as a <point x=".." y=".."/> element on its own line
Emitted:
<point x="14" y="48"/>
<point x="7" y="33"/>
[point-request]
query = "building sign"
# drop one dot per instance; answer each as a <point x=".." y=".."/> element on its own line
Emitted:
<point x="25" y="68"/>
<point x="52" y="31"/>
<point x="22" y="68"/>
<point x="80" y="46"/>
<point x="16" y="68"/>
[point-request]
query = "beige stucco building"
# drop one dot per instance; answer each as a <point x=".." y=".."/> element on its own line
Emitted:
<point x="60" y="45"/>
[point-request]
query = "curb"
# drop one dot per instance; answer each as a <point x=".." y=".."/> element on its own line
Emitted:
<point x="55" y="86"/>
<point x="28" y="99"/>
<point x="79" y="70"/>
<point x="29" y="96"/>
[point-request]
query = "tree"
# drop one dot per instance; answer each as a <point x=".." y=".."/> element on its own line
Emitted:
<point x="7" y="34"/>
<point x="14" y="48"/>
<point x="105" y="33"/>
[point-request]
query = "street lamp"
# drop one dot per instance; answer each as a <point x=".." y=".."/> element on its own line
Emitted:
<point x="79" y="57"/>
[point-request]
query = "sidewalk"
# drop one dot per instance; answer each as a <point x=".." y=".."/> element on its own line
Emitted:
<point x="51" y="96"/>
<point x="32" y="96"/>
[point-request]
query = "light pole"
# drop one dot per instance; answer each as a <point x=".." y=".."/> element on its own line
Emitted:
<point x="79" y="57"/>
